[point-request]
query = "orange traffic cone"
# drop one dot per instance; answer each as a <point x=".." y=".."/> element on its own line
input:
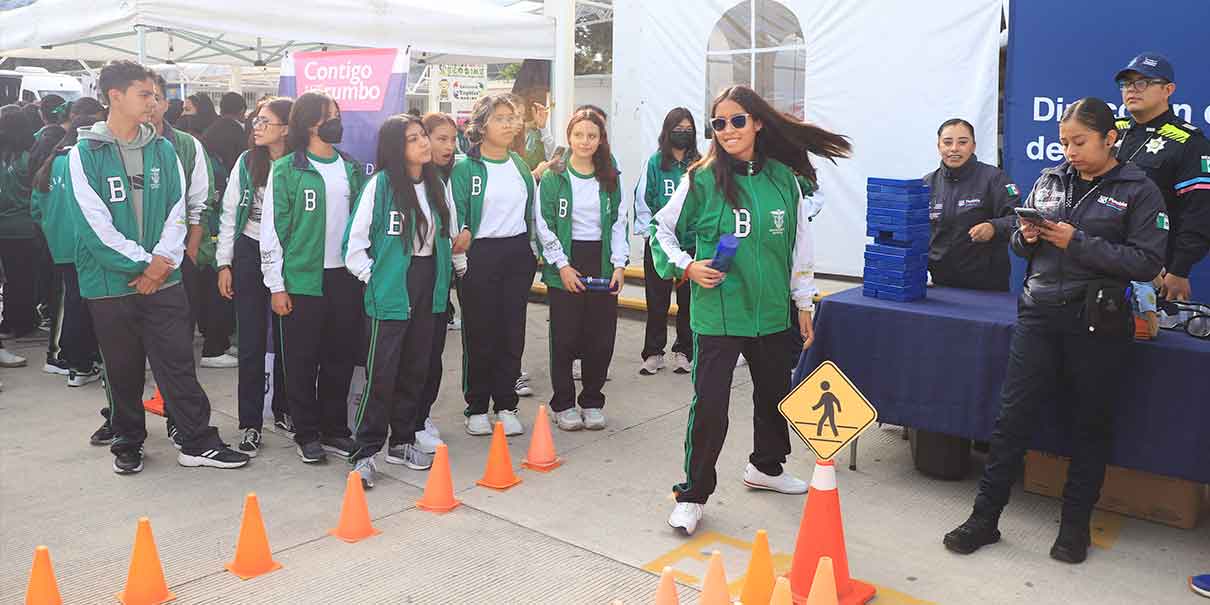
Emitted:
<point x="666" y="595"/>
<point x="499" y="472"/>
<point x="252" y="554"/>
<point x="823" y="589"/>
<point x="42" y="589"/>
<point x="439" y="489"/>
<point x="758" y="584"/>
<point x="542" y="456"/>
<point x="781" y="593"/>
<point x="714" y="589"/>
<point x="155" y="405"/>
<point x="145" y="584"/>
<point x="821" y="534"/>
<point x="354" y="523"/>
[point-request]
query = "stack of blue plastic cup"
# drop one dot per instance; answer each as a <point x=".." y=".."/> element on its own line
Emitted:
<point x="896" y="264"/>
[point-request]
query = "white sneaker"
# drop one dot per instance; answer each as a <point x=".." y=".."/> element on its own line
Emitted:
<point x="569" y="419"/>
<point x="741" y="362"/>
<point x="478" y="425"/>
<point x="427" y="443"/>
<point x="651" y="365"/>
<point x="60" y="368"/>
<point x="8" y="359"/>
<point x="783" y="483"/>
<point x="233" y="351"/>
<point x="522" y="388"/>
<point x="681" y="363"/>
<point x="576" y="372"/>
<point x="454" y="324"/>
<point x="220" y="361"/>
<point x="431" y="428"/>
<point x="685" y="517"/>
<point x="594" y="419"/>
<point x="81" y="378"/>
<point x="512" y="425"/>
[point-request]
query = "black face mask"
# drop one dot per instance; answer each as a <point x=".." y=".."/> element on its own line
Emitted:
<point x="331" y="131"/>
<point x="681" y="139"/>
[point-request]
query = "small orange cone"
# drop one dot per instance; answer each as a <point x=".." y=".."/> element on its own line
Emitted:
<point x="542" y="456"/>
<point x="252" y="554"/>
<point x="439" y="489"/>
<point x="758" y="583"/>
<point x="823" y="589"/>
<point x="42" y="589"/>
<point x="499" y="472"/>
<point x="155" y="405"/>
<point x="145" y="584"/>
<point x="821" y="534"/>
<point x="714" y="589"/>
<point x="354" y="523"/>
<point x="781" y="593"/>
<point x="666" y="595"/>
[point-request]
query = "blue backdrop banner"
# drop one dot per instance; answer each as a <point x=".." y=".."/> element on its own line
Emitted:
<point x="1059" y="52"/>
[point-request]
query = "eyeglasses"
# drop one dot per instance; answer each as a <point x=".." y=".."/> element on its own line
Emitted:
<point x="738" y="122"/>
<point x="506" y="120"/>
<point x="263" y="122"/>
<point x="1139" y="85"/>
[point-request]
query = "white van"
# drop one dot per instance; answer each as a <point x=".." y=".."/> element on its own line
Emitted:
<point x="32" y="83"/>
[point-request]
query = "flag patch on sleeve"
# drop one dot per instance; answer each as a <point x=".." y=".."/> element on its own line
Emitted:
<point x="1161" y="221"/>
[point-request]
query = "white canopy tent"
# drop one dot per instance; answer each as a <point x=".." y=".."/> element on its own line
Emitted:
<point x="232" y="32"/>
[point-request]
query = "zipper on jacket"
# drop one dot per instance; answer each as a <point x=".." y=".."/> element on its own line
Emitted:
<point x="760" y="274"/>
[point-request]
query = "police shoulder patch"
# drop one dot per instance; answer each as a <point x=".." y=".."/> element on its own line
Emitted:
<point x="1122" y="124"/>
<point x="1174" y="132"/>
<point x="1012" y="189"/>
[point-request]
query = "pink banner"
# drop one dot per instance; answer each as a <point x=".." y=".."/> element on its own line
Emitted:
<point x="357" y="79"/>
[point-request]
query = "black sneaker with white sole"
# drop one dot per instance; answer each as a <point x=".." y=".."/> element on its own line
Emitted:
<point x="284" y="424"/>
<point x="174" y="435"/>
<point x="79" y="378"/>
<point x="311" y="452"/>
<point x="128" y="462"/>
<point x="251" y="442"/>
<point x="104" y="434"/>
<point x="218" y="457"/>
<point x="341" y="446"/>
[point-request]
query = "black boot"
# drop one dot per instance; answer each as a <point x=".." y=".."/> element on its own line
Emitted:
<point x="1072" y="544"/>
<point x="978" y="531"/>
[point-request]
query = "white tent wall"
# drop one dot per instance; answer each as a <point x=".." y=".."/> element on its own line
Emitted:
<point x="883" y="72"/>
<point x="235" y="29"/>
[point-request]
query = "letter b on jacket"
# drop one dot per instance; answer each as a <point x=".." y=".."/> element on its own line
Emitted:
<point x="309" y="200"/>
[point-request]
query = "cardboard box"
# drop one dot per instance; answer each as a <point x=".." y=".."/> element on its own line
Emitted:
<point x="1139" y="494"/>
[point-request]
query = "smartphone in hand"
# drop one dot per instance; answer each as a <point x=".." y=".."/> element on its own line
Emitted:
<point x="1030" y="214"/>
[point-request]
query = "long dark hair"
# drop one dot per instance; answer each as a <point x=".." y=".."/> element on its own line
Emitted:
<point x="16" y="137"/>
<point x="782" y="137"/>
<point x="42" y="177"/>
<point x="602" y="160"/>
<point x="258" y="159"/>
<point x="309" y="110"/>
<point x="1093" y="113"/>
<point x="671" y="121"/>
<point x="205" y="115"/>
<point x="391" y="159"/>
<point x="431" y="122"/>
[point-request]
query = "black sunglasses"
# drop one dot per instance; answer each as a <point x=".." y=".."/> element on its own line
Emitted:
<point x="738" y="122"/>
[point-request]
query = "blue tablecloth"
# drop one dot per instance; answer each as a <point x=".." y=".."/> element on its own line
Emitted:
<point x="938" y="365"/>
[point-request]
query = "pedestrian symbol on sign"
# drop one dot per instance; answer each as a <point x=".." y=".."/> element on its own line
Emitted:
<point x="827" y="411"/>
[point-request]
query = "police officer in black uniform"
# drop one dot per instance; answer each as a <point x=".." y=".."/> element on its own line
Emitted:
<point x="971" y="213"/>
<point x="1102" y="226"/>
<point x="1176" y="156"/>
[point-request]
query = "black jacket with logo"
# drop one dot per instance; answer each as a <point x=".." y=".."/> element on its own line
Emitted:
<point x="1121" y="232"/>
<point x="960" y="199"/>
<point x="1176" y="156"/>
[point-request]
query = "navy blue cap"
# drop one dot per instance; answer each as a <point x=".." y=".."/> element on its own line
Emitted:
<point x="1150" y="65"/>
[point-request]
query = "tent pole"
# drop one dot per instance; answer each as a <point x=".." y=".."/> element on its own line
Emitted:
<point x="563" y="69"/>
<point x="141" y="32"/>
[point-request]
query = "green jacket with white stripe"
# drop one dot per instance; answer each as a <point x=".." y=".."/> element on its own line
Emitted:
<point x="378" y="251"/>
<point x="468" y="180"/>
<point x="52" y="210"/>
<point x="294" y="223"/>
<point x="554" y="230"/>
<point x="113" y="247"/>
<point x="775" y="261"/>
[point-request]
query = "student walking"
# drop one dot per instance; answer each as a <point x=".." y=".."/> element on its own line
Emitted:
<point x="746" y="186"/>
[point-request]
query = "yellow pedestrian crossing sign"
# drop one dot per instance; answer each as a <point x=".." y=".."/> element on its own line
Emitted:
<point x="827" y="410"/>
